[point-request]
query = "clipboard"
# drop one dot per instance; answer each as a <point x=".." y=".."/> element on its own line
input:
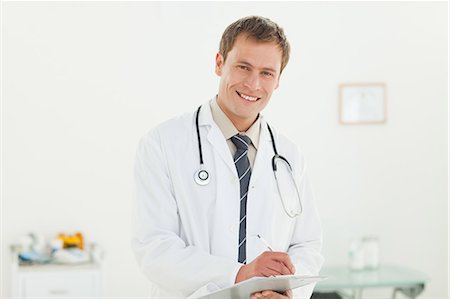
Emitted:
<point x="279" y="284"/>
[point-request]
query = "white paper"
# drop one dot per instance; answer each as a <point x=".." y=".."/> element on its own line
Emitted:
<point x="281" y="283"/>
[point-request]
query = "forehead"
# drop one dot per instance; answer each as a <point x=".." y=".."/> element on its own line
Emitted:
<point x="258" y="54"/>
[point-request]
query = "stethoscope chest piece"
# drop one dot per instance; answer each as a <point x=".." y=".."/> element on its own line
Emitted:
<point x="202" y="177"/>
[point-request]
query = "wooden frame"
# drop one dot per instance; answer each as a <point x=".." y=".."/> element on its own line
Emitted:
<point x="362" y="103"/>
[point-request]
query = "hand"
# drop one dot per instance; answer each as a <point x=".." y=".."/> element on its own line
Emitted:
<point x="271" y="295"/>
<point x="267" y="264"/>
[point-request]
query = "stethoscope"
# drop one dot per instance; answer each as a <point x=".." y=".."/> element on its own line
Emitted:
<point x="202" y="176"/>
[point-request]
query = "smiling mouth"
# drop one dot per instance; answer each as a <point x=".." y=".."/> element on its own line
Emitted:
<point x="247" y="97"/>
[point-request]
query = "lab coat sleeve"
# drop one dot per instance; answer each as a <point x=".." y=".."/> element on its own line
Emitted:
<point x="306" y="245"/>
<point x="163" y="256"/>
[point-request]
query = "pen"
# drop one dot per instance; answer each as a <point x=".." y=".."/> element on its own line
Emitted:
<point x="265" y="242"/>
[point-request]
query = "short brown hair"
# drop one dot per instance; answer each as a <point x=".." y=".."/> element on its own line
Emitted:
<point x="258" y="28"/>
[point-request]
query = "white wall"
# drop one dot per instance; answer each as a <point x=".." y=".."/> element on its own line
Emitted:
<point x="83" y="81"/>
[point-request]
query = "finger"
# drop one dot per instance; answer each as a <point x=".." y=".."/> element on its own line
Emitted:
<point x="282" y="257"/>
<point x="289" y="265"/>
<point x="257" y="295"/>
<point x="273" y="295"/>
<point x="288" y="294"/>
<point x="279" y="267"/>
<point x="275" y="266"/>
<point x="268" y="272"/>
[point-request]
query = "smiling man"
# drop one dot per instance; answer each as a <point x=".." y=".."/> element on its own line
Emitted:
<point x="249" y="72"/>
<point x="209" y="210"/>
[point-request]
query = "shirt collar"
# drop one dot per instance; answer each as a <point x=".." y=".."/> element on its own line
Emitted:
<point x="228" y="129"/>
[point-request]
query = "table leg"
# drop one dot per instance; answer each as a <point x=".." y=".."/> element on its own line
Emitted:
<point x="357" y="293"/>
<point x="411" y="292"/>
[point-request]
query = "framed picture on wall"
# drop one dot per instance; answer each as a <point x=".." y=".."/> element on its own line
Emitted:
<point x="362" y="103"/>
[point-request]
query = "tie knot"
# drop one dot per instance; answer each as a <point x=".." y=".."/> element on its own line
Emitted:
<point x="241" y="141"/>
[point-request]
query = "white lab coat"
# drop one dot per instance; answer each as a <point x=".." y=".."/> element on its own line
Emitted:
<point x="186" y="235"/>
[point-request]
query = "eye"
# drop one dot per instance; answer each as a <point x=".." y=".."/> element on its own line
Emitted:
<point x="267" y="74"/>
<point x="243" y="67"/>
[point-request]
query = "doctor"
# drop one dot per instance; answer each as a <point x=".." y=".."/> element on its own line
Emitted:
<point x="209" y="211"/>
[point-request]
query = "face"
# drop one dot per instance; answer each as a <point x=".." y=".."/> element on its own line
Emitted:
<point x="248" y="77"/>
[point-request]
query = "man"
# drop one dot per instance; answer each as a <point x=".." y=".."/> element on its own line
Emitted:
<point x="216" y="229"/>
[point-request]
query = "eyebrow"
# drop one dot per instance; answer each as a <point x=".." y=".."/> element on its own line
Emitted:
<point x="264" y="68"/>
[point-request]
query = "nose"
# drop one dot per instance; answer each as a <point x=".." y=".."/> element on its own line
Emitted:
<point x="253" y="81"/>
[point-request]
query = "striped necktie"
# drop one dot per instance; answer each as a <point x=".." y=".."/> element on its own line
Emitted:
<point x="244" y="172"/>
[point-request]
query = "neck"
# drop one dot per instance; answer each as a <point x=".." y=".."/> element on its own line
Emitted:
<point x="241" y="124"/>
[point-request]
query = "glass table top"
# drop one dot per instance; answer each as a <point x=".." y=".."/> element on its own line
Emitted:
<point x="341" y="277"/>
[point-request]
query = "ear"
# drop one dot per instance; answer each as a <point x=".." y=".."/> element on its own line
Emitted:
<point x="219" y="64"/>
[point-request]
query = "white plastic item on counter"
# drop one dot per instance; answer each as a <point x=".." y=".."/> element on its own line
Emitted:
<point x="364" y="253"/>
<point x="371" y="252"/>
<point x="356" y="255"/>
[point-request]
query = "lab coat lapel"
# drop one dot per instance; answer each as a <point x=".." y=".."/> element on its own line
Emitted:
<point x="264" y="154"/>
<point x="216" y="138"/>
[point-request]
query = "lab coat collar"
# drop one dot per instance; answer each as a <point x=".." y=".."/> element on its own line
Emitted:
<point x="215" y="136"/>
<point x="205" y="118"/>
<point x="264" y="154"/>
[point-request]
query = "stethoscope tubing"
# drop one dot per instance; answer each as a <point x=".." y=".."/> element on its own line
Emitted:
<point x="198" y="136"/>
<point x="202" y="176"/>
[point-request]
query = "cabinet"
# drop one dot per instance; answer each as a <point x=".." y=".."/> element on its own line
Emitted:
<point x="56" y="281"/>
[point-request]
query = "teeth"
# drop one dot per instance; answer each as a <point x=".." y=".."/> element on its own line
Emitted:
<point x="248" y="98"/>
